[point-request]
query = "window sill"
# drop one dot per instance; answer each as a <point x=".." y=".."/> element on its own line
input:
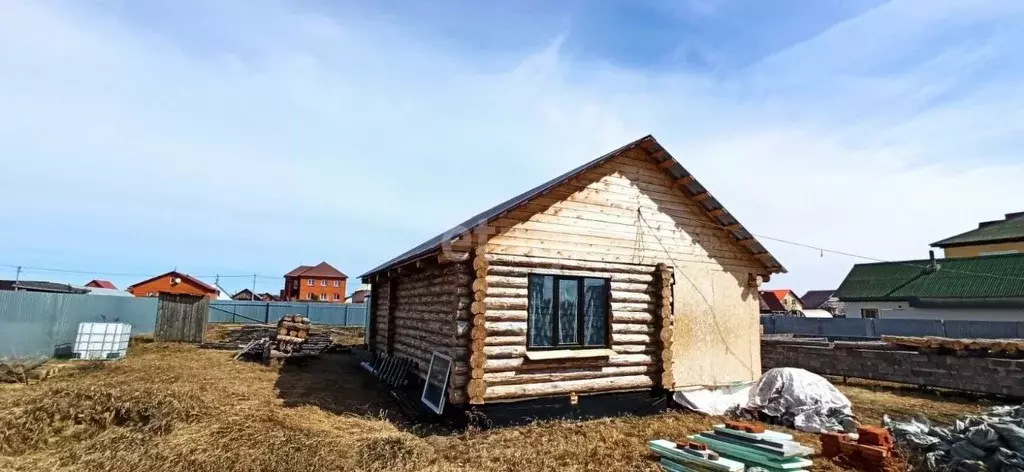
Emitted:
<point x="568" y="354"/>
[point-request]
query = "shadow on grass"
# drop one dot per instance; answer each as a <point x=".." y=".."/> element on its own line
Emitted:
<point x="335" y="383"/>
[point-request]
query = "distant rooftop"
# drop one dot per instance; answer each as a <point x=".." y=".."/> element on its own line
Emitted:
<point x="985" y="277"/>
<point x="1009" y="229"/>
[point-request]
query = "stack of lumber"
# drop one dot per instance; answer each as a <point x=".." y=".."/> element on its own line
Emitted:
<point x="292" y="331"/>
<point x="973" y="346"/>
<point x="26" y="371"/>
<point x="753" y="446"/>
<point x="678" y="457"/>
<point x="237" y="337"/>
<point x="871" y="452"/>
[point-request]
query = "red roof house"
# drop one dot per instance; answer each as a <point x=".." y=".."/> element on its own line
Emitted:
<point x="96" y="283"/>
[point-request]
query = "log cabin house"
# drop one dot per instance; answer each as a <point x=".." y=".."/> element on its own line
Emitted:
<point x="623" y="277"/>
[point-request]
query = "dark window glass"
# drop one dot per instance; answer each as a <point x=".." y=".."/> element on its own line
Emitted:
<point x="542" y="297"/>
<point x="568" y="311"/>
<point x="595" y="312"/>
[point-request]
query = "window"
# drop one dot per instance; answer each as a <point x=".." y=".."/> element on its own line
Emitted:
<point x="323" y="282"/>
<point x="337" y="296"/>
<point x="869" y="312"/>
<point x="567" y="312"/>
<point x="295" y="283"/>
<point x="309" y="282"/>
<point x="337" y="283"/>
<point x="309" y="296"/>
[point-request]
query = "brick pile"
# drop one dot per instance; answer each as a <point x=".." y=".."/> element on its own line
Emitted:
<point x="871" y="452"/>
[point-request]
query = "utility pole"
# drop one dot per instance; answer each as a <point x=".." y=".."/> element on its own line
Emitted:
<point x="253" y="288"/>
<point x="17" y="278"/>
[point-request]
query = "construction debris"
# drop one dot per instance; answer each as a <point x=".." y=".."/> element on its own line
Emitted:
<point x="991" y="442"/>
<point x="691" y="455"/>
<point x="870" y="450"/>
<point x="26" y="370"/>
<point x="983" y="347"/>
<point x="799" y="399"/>
<point x="753" y="446"/>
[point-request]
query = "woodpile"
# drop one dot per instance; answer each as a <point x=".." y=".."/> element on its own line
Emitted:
<point x="983" y="347"/>
<point x="27" y="371"/>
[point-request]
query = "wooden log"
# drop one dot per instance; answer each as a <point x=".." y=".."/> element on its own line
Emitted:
<point x="618" y="360"/>
<point x="510" y="328"/>
<point x="507" y="315"/>
<point x="477" y="391"/>
<point x="505" y="341"/>
<point x="510" y="271"/>
<point x="510" y="392"/>
<point x="522" y="282"/>
<point x="562" y="375"/>
<point x="480" y="285"/>
<point x="619" y="328"/>
<point x="504" y="352"/>
<point x="634" y="348"/>
<point x="631" y="339"/>
<point x="522" y="294"/>
<point x="556" y="263"/>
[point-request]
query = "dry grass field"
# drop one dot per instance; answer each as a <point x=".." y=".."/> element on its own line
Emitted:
<point x="171" y="407"/>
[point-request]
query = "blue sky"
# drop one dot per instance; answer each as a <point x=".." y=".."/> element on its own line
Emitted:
<point x="242" y="137"/>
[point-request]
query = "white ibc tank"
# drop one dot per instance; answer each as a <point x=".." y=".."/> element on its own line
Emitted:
<point x="101" y="341"/>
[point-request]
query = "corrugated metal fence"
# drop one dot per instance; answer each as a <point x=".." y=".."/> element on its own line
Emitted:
<point x="34" y="324"/>
<point x="38" y="324"/>
<point x="875" y="328"/>
<point x="334" y="314"/>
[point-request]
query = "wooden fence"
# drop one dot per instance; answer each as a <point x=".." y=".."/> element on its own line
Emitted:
<point x="181" y="318"/>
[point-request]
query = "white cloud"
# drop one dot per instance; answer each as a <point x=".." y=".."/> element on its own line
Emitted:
<point x="298" y="136"/>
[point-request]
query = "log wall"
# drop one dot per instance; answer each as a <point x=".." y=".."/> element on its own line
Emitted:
<point x="499" y="367"/>
<point x="629" y="210"/>
<point x="427" y="310"/>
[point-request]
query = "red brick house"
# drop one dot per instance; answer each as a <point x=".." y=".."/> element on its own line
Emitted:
<point x="321" y="282"/>
<point x="173" y="282"/>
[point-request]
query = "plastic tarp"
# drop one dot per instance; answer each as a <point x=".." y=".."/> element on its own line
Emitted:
<point x="993" y="441"/>
<point x="714" y="401"/>
<point x="802" y="400"/>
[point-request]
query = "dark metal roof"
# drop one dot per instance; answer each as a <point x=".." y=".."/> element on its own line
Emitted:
<point x="40" y="286"/>
<point x="676" y="170"/>
<point x="816" y="298"/>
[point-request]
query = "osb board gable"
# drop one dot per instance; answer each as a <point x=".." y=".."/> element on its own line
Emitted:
<point x="716" y="335"/>
<point x="595" y="217"/>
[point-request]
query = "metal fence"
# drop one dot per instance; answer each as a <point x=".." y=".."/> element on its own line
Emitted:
<point x="333" y="314"/>
<point x="40" y="324"/>
<point x="44" y="324"/>
<point x="876" y="328"/>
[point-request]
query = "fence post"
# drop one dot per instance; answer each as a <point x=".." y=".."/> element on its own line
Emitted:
<point x="308" y="304"/>
<point x="266" y="314"/>
<point x="346" y="314"/>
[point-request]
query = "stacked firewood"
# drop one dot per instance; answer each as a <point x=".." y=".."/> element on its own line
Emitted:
<point x="292" y="331"/>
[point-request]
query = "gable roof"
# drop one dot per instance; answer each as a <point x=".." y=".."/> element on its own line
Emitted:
<point x="40" y="286"/>
<point x="988" y="232"/>
<point x="684" y="179"/>
<point x="816" y="298"/>
<point x="200" y="283"/>
<point x="322" y="269"/>
<point x="984" y="277"/>
<point x="770" y="300"/>
<point x="101" y="284"/>
<point x="781" y="294"/>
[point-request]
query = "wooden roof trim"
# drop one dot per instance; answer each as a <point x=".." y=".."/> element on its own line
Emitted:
<point x="656" y="151"/>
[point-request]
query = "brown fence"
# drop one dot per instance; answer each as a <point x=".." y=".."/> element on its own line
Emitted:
<point x="181" y="318"/>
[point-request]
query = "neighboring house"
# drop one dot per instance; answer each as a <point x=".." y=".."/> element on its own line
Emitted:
<point x="822" y="300"/>
<point x="997" y="237"/>
<point x="771" y="305"/>
<point x="246" y="294"/>
<point x="623" y="275"/>
<point x="40" y="286"/>
<point x="173" y="282"/>
<point x="103" y="291"/>
<point x="983" y="288"/>
<point x="788" y="299"/>
<point x="321" y="282"/>
<point x="96" y="283"/>
<point x="359" y="296"/>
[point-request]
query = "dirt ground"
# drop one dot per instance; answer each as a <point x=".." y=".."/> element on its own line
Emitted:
<point x="172" y="407"/>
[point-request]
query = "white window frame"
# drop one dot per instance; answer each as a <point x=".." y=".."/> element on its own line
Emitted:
<point x="337" y="283"/>
<point x="309" y="282"/>
<point x="864" y="313"/>
<point x="323" y="282"/>
<point x="337" y="296"/>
